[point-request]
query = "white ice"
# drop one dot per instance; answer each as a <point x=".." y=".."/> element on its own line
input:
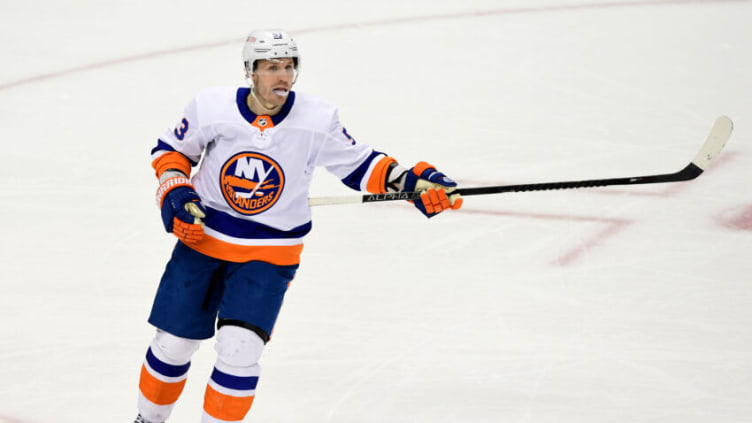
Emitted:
<point x="589" y="306"/>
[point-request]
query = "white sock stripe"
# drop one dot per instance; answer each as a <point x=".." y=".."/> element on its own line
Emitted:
<point x="161" y="377"/>
<point x="231" y="392"/>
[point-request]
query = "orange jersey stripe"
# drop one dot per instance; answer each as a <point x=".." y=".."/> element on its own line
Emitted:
<point x="226" y="407"/>
<point x="171" y="160"/>
<point x="281" y="255"/>
<point x="377" y="181"/>
<point x="158" y="392"/>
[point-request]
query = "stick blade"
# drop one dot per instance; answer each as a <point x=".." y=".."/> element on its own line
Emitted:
<point x="717" y="138"/>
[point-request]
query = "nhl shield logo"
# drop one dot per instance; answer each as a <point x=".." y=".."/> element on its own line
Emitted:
<point x="251" y="182"/>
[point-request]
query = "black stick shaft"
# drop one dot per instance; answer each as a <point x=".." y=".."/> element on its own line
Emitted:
<point x="688" y="173"/>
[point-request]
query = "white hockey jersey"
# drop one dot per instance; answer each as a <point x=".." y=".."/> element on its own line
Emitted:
<point x="256" y="170"/>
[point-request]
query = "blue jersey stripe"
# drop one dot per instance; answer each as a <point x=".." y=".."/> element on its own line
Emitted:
<point x="246" y="229"/>
<point x="165" y="369"/>
<point x="239" y="383"/>
<point x="354" y="179"/>
<point x="161" y="145"/>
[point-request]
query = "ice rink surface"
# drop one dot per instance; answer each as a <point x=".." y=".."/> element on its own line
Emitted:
<point x="589" y="306"/>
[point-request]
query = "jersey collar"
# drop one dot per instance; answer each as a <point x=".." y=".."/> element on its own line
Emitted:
<point x="251" y="117"/>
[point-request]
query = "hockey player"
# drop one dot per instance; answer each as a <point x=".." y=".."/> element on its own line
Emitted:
<point x="241" y="218"/>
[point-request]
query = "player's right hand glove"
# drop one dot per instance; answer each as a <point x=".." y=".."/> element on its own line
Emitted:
<point x="436" y="189"/>
<point x="181" y="209"/>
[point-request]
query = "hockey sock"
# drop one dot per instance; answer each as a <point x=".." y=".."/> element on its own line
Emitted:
<point x="229" y="393"/>
<point x="163" y="375"/>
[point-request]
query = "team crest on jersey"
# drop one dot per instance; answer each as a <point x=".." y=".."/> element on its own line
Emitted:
<point x="251" y="182"/>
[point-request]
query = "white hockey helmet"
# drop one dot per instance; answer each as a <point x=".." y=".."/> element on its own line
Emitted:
<point x="268" y="44"/>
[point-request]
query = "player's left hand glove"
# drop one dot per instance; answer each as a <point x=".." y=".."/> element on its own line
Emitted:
<point x="181" y="209"/>
<point x="434" y="186"/>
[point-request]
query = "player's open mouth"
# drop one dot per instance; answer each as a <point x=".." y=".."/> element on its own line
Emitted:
<point x="282" y="92"/>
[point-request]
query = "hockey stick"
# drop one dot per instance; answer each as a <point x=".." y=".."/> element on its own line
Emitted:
<point x="717" y="138"/>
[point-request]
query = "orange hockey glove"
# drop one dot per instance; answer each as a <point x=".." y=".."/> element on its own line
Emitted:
<point x="436" y="189"/>
<point x="181" y="209"/>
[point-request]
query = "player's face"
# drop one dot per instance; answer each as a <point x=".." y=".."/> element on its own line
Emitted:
<point x="272" y="80"/>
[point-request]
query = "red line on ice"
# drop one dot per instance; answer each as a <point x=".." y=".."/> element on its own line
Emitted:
<point x="740" y="220"/>
<point x="390" y="21"/>
<point x="111" y="62"/>
<point x="607" y="232"/>
<point x="7" y="419"/>
<point x="612" y="227"/>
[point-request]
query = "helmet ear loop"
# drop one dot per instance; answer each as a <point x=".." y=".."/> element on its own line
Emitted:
<point x="296" y="63"/>
<point x="249" y="75"/>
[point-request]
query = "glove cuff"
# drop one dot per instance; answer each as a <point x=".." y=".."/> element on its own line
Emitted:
<point x="169" y="185"/>
<point x="421" y="167"/>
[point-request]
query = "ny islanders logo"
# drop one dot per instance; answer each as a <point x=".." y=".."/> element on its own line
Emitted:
<point x="251" y="182"/>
